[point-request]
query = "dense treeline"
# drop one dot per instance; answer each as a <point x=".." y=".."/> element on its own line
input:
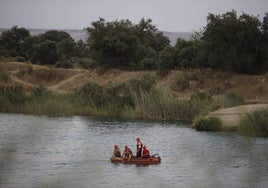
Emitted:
<point x="228" y="42"/>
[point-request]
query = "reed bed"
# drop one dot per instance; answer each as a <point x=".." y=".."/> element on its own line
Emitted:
<point x="255" y="124"/>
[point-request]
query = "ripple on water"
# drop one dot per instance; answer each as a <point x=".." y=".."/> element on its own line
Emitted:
<point x="75" y="152"/>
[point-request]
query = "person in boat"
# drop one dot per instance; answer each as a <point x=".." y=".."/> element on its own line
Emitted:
<point x="139" y="147"/>
<point x="117" y="152"/>
<point x="146" y="152"/>
<point x="127" y="153"/>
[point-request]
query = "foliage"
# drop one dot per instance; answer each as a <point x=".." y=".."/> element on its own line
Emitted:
<point x="207" y="124"/>
<point x="45" y="53"/>
<point x="201" y="96"/>
<point x="235" y="99"/>
<point x="46" y="48"/>
<point x="165" y="61"/>
<point x="144" y="84"/>
<point x="123" y="44"/>
<point x="13" y="94"/>
<point x="12" y="40"/>
<point x="66" y="64"/>
<point x="255" y="124"/>
<point x="118" y="95"/>
<point x="86" y="63"/>
<point x="115" y="94"/>
<point x="186" y="53"/>
<point x="233" y="43"/>
<point x="227" y="42"/>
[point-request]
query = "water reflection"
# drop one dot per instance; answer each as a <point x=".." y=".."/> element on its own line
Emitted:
<point x="74" y="152"/>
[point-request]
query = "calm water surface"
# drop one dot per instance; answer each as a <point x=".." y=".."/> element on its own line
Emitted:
<point x="39" y="151"/>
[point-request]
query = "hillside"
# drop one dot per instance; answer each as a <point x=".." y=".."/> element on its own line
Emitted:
<point x="185" y="83"/>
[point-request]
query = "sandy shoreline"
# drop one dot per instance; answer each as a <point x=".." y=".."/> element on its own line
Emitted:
<point x="230" y="117"/>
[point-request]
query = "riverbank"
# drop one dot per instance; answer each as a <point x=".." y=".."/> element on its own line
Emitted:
<point x="183" y="82"/>
<point x="179" y="95"/>
<point x="231" y="117"/>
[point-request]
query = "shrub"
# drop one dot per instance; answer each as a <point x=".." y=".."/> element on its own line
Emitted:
<point x="4" y="76"/>
<point x="118" y="95"/>
<point x="64" y="64"/>
<point x="255" y="124"/>
<point x="201" y="96"/>
<point x="20" y="59"/>
<point x="235" y="99"/>
<point x="93" y="94"/>
<point x="207" y="124"/>
<point x="148" y="63"/>
<point x="86" y="63"/>
<point x="145" y="83"/>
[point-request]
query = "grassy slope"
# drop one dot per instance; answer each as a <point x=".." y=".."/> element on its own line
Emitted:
<point x="184" y="82"/>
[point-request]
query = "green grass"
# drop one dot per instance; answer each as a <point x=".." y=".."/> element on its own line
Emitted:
<point x="207" y="124"/>
<point x="141" y="99"/>
<point x="255" y="124"/>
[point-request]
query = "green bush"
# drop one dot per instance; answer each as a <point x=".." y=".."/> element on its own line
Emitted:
<point x="92" y="94"/>
<point x="20" y="59"/>
<point x="67" y="64"/>
<point x="86" y="63"/>
<point x="207" y="124"/>
<point x="255" y="124"/>
<point x="201" y="96"/>
<point x="235" y="99"/>
<point x="145" y="83"/>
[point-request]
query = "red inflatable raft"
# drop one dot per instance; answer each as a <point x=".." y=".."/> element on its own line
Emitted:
<point x="154" y="159"/>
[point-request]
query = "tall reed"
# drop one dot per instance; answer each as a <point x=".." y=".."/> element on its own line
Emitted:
<point x="255" y="124"/>
<point x="161" y="103"/>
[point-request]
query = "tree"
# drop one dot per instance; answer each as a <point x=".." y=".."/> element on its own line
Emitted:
<point x="65" y="48"/>
<point x="80" y="49"/>
<point x="51" y="46"/>
<point x="12" y="40"/>
<point x="233" y="43"/>
<point x="54" y="35"/>
<point x="185" y="53"/>
<point x="165" y="61"/>
<point x="122" y="44"/>
<point x="264" y="52"/>
<point x="45" y="53"/>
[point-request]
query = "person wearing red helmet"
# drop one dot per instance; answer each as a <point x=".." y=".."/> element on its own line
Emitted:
<point x="146" y="152"/>
<point x="127" y="154"/>
<point x="139" y="147"/>
<point x="117" y="152"/>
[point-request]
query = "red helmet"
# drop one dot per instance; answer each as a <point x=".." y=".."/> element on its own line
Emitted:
<point x="138" y="139"/>
<point x="144" y="147"/>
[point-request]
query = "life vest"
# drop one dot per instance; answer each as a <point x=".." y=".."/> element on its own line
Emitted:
<point x="146" y="152"/>
<point x="139" y="145"/>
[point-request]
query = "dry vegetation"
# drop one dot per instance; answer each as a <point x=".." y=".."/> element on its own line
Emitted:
<point x="185" y="82"/>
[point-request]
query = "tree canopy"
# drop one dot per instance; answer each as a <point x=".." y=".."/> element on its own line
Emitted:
<point x="124" y="44"/>
<point x="228" y="42"/>
<point x="233" y="43"/>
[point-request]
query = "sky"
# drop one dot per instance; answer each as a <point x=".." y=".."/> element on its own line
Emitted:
<point x="166" y="15"/>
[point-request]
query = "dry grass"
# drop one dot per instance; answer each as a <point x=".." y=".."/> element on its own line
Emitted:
<point x="184" y="82"/>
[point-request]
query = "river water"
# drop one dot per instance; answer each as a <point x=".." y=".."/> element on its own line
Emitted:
<point x="40" y="151"/>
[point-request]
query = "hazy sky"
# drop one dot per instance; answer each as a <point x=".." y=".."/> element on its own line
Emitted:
<point x="167" y="15"/>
